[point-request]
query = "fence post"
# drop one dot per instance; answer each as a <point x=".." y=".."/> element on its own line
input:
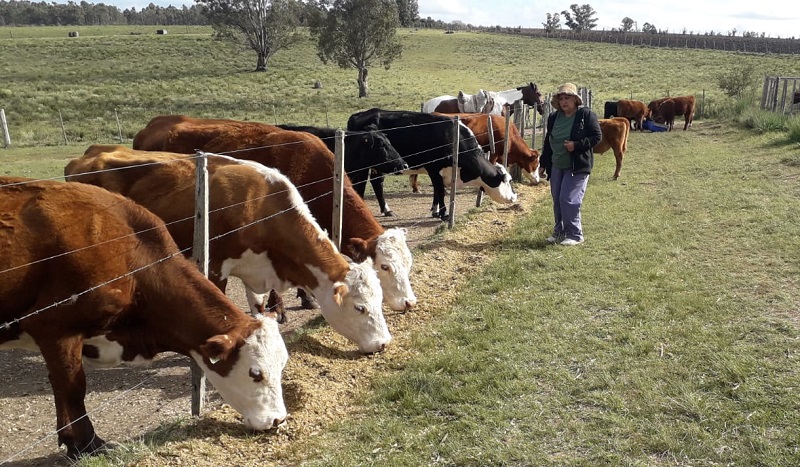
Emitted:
<point x="338" y="188"/>
<point x="119" y="127"/>
<point x="200" y="257"/>
<point x="4" y="123"/>
<point x="764" y="90"/>
<point x="490" y="129"/>
<point x="451" y="222"/>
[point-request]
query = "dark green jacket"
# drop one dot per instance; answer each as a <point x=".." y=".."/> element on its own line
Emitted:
<point x="585" y="133"/>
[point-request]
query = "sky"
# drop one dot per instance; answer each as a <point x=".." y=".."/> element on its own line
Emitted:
<point x="776" y="18"/>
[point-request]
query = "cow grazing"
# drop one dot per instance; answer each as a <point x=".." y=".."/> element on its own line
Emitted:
<point x="426" y="142"/>
<point x="308" y="163"/>
<point x="260" y="229"/>
<point x="682" y="105"/>
<point x="633" y="110"/>
<point x="89" y="275"/>
<point x="368" y="155"/>
<point x="615" y="137"/>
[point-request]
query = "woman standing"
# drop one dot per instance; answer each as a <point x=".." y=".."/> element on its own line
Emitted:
<point x="567" y="158"/>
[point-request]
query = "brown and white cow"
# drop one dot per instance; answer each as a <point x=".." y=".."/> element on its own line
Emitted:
<point x="86" y="274"/>
<point x="666" y="109"/>
<point x="261" y="231"/>
<point x="615" y="137"/>
<point x="309" y="165"/>
<point x="634" y="110"/>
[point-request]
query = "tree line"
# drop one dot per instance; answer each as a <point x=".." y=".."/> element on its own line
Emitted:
<point x="28" y="13"/>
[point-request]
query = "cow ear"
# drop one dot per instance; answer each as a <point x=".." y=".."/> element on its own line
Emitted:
<point x="339" y="292"/>
<point x="217" y="348"/>
<point x="358" y="248"/>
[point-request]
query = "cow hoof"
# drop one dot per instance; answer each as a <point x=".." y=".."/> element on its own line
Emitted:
<point x="388" y="214"/>
<point x="309" y="303"/>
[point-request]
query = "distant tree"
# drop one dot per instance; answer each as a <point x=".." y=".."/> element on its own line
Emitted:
<point x="265" y="26"/>
<point x="408" y="12"/>
<point x="553" y="22"/>
<point x="358" y="34"/>
<point x="627" y="24"/>
<point x="583" y="17"/>
<point x="649" y="28"/>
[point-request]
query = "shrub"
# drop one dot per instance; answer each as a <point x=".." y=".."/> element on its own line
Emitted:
<point x="735" y="81"/>
<point x="793" y="129"/>
<point x="762" y="121"/>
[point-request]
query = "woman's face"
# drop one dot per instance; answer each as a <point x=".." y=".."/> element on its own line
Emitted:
<point x="568" y="103"/>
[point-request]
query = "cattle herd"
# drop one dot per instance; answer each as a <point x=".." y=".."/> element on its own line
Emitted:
<point x="97" y="269"/>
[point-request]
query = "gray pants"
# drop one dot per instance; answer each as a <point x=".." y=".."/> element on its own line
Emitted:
<point x="568" y="189"/>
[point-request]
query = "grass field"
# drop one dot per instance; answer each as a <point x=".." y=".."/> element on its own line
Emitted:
<point x="669" y="338"/>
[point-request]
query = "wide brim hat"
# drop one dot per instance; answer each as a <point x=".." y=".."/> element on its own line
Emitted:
<point x="568" y="89"/>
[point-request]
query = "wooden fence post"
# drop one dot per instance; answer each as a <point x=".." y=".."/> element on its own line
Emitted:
<point x="490" y="127"/>
<point x="338" y="188"/>
<point x="456" y="138"/>
<point x="63" y="130"/>
<point x="4" y="123"/>
<point x="119" y="127"/>
<point x="200" y="257"/>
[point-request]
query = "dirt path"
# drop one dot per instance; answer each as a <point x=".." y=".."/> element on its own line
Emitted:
<point x="324" y="371"/>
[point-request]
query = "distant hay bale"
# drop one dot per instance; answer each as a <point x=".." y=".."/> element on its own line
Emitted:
<point x="161" y="31"/>
<point x="73" y="34"/>
<point x="317" y="84"/>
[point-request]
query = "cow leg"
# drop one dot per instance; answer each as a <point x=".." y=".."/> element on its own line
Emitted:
<point x="438" y="208"/>
<point x="264" y="304"/>
<point x="68" y="379"/>
<point x="413" y="180"/>
<point x="618" y="156"/>
<point x="376" y="180"/>
<point x="307" y="301"/>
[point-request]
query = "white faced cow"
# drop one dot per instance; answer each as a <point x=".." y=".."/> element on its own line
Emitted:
<point x="261" y="231"/>
<point x="88" y="274"/>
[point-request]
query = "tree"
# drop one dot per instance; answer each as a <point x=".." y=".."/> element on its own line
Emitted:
<point x="735" y="82"/>
<point x="649" y="28"/>
<point x="627" y="24"/>
<point x="408" y="11"/>
<point x="583" y="20"/>
<point x="553" y="22"/>
<point x="265" y="26"/>
<point x="358" y="34"/>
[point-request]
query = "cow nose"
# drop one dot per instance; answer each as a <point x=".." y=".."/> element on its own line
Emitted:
<point x="278" y="422"/>
<point x="410" y="304"/>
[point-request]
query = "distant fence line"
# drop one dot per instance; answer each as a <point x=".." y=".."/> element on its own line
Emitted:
<point x="781" y="94"/>
<point x="682" y="41"/>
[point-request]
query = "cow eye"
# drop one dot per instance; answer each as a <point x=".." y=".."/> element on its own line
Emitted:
<point x="361" y="309"/>
<point x="385" y="267"/>
<point x="256" y="374"/>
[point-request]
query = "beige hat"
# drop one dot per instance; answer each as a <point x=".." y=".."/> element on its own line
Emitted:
<point x="566" y="88"/>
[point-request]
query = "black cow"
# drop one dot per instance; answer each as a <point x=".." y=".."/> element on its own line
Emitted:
<point x="426" y="142"/>
<point x="610" y="109"/>
<point x="368" y="154"/>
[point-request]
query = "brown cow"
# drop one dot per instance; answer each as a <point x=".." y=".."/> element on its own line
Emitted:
<point x="615" y="137"/>
<point x="682" y="105"/>
<point x="262" y="231"/>
<point x="633" y="110"/>
<point x="519" y="153"/>
<point x="308" y="163"/>
<point x="88" y="275"/>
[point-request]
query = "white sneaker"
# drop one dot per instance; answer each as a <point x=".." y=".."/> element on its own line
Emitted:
<point x="554" y="238"/>
<point x="570" y="242"/>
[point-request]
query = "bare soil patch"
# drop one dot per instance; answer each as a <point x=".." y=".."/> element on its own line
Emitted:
<point x="324" y="375"/>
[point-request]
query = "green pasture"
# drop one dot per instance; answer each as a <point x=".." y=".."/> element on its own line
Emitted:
<point x="669" y="338"/>
<point x="106" y="84"/>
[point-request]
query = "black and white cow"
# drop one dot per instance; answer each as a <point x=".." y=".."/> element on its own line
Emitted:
<point x="368" y="155"/>
<point x="425" y="141"/>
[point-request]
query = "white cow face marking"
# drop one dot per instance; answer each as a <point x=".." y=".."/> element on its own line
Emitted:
<point x="393" y="265"/>
<point x="359" y="316"/>
<point x="253" y="385"/>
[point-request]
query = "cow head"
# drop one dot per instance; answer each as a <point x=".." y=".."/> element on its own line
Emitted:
<point x="375" y="151"/>
<point x="530" y="167"/>
<point x="357" y="311"/>
<point x="392" y="263"/>
<point x="246" y="370"/>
